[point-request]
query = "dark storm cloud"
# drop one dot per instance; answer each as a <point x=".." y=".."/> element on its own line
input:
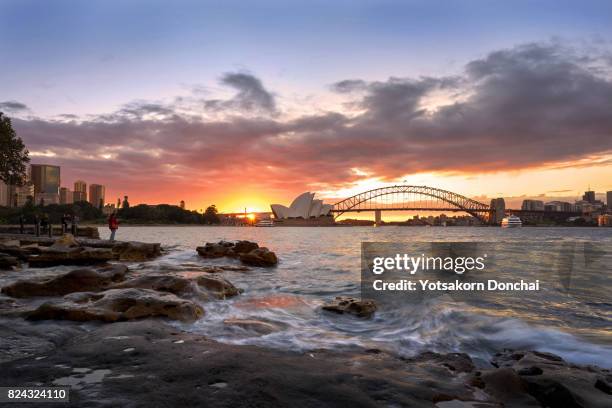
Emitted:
<point x="12" y="106"/>
<point x="251" y="95"/>
<point x="523" y="107"/>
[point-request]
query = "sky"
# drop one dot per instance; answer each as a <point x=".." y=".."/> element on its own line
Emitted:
<point x="244" y="104"/>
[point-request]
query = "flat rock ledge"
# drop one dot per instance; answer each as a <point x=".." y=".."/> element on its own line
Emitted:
<point x="66" y="250"/>
<point x="116" y="305"/>
<point x="174" y="368"/>
<point x="248" y="252"/>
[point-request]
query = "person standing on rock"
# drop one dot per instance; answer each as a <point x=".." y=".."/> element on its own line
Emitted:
<point x="113" y="225"/>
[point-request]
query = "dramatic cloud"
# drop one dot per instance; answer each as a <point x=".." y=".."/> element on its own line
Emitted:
<point x="12" y="106"/>
<point x="528" y="106"/>
<point x="251" y="95"/>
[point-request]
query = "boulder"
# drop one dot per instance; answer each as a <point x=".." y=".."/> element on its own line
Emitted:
<point x="550" y="380"/>
<point x="70" y="256"/>
<point x="346" y="304"/>
<point x="164" y="283"/>
<point x="64" y="242"/>
<point x="136" y="251"/>
<point x="259" y="257"/>
<point x="118" y="305"/>
<point x="219" y="287"/>
<point x="78" y="280"/>
<point x="16" y="251"/>
<point x="8" y="262"/>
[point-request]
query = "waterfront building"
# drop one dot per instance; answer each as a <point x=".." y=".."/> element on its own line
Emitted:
<point x="303" y="206"/>
<point x="46" y="198"/>
<point x="532" y="205"/>
<point x="96" y="195"/>
<point x="604" y="220"/>
<point x="559" y="206"/>
<point x="609" y="199"/>
<point x="66" y="196"/>
<point x="589" y="196"/>
<point x="80" y="191"/>
<point x="108" y="209"/>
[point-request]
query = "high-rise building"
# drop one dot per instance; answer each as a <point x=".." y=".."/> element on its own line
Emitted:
<point x="532" y="205"/>
<point x="66" y="196"/>
<point x="4" y="195"/>
<point x="45" y="178"/>
<point x="589" y="196"/>
<point x="80" y="191"/>
<point x="21" y="195"/>
<point x="609" y="198"/>
<point x="96" y="195"/>
<point x="46" y="181"/>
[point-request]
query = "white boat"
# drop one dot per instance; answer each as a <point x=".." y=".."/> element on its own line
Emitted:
<point x="265" y="223"/>
<point x="511" y="221"/>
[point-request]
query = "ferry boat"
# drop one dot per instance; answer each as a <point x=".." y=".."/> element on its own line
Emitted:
<point x="511" y="221"/>
<point x="265" y="223"/>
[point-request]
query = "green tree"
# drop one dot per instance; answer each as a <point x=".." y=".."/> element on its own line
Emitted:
<point x="210" y="215"/>
<point x="13" y="154"/>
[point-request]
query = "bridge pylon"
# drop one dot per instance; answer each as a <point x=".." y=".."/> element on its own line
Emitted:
<point x="377" y="217"/>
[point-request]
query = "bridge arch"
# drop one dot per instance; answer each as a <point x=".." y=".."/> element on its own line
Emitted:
<point x="457" y="202"/>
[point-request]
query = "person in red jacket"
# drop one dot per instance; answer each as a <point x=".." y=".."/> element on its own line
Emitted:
<point x="113" y="225"/>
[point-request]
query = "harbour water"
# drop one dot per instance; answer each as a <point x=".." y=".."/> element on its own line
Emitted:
<point x="317" y="264"/>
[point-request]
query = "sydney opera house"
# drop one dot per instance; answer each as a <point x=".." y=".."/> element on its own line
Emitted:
<point x="304" y="207"/>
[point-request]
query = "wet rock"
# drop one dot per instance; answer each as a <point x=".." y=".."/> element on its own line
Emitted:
<point x="345" y="304"/>
<point x="22" y="253"/>
<point x="554" y="382"/>
<point x="8" y="262"/>
<point x="117" y="305"/>
<point x="257" y="326"/>
<point x="456" y="362"/>
<point x="219" y="287"/>
<point x="215" y="250"/>
<point x="72" y="256"/>
<point x="136" y="251"/>
<point x="65" y="242"/>
<point x="78" y="280"/>
<point x="164" y="283"/>
<point x="259" y="257"/>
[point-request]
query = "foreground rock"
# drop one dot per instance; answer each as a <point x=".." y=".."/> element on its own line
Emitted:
<point x="345" y="304"/>
<point x="257" y="326"/>
<point x="259" y="257"/>
<point x="8" y="262"/>
<point x="78" y="280"/>
<point x="219" y="287"/>
<point x="248" y="252"/>
<point x="136" y="251"/>
<point x="68" y="251"/>
<point x="549" y="380"/>
<point x="165" y="283"/>
<point x="117" y="305"/>
<point x="172" y="368"/>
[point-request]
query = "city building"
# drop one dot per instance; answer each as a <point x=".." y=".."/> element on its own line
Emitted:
<point x="532" y="205"/>
<point x="304" y="206"/>
<point x="589" y="196"/>
<point x="109" y="209"/>
<point x="46" y="181"/>
<point x="66" y="196"/>
<point x="96" y="195"/>
<point x="559" y="206"/>
<point x="80" y="191"/>
<point x="609" y="199"/>
<point x="4" y="195"/>
<point x="604" y="220"/>
<point x="21" y="195"/>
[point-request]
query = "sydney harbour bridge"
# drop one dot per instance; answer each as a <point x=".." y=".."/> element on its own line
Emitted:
<point x="429" y="199"/>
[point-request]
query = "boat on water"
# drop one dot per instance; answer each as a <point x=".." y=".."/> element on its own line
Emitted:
<point x="512" y="221"/>
<point x="265" y="223"/>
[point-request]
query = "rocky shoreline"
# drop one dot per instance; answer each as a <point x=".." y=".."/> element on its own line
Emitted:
<point x="127" y="354"/>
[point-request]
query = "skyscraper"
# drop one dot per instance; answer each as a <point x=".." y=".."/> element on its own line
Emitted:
<point x="80" y="191"/>
<point x="609" y="198"/>
<point x="45" y="178"/>
<point x="96" y="195"/>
